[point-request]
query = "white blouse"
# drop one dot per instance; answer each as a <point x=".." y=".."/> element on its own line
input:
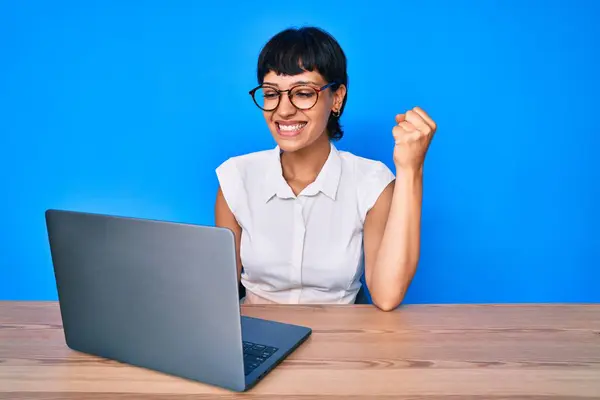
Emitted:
<point x="306" y="248"/>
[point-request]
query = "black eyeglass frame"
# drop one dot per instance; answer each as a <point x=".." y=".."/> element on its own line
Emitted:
<point x="289" y="93"/>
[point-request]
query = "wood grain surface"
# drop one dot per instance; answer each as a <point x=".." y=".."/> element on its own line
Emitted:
<point x="416" y="352"/>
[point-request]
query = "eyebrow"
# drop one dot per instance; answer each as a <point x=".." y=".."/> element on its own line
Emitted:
<point x="294" y="83"/>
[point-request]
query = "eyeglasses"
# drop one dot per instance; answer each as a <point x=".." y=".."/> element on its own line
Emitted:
<point x="303" y="97"/>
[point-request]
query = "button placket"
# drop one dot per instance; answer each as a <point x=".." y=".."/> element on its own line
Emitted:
<point x="298" y="245"/>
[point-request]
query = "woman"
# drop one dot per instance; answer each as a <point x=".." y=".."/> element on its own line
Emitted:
<point x="308" y="218"/>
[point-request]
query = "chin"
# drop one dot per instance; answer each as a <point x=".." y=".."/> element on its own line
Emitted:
<point x="290" y="146"/>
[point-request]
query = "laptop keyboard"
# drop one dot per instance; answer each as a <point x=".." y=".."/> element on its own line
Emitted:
<point x="255" y="354"/>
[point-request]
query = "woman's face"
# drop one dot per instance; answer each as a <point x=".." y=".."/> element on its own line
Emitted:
<point x="292" y="128"/>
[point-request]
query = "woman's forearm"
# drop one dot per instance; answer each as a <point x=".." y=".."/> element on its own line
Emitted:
<point x="399" y="251"/>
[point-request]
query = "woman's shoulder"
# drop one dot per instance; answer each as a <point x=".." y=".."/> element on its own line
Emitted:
<point x="247" y="163"/>
<point x="259" y="156"/>
<point x="368" y="177"/>
<point x="239" y="174"/>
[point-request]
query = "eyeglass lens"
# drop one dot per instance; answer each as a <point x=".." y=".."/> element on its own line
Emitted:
<point x="302" y="97"/>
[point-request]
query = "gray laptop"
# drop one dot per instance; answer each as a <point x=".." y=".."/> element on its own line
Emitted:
<point x="163" y="296"/>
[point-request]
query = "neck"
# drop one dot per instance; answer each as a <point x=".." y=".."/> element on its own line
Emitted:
<point x="305" y="164"/>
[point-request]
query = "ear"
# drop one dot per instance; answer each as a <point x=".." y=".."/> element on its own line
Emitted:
<point x="338" y="97"/>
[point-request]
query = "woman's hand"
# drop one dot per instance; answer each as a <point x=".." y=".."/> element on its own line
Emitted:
<point x="412" y="135"/>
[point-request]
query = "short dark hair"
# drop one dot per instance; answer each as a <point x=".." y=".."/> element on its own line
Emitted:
<point x="295" y="50"/>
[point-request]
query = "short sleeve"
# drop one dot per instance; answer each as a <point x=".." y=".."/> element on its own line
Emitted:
<point x="230" y="181"/>
<point x="372" y="183"/>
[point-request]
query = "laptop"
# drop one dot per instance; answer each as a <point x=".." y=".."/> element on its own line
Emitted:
<point x="162" y="296"/>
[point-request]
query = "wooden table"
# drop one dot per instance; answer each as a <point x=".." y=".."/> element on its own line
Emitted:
<point x="416" y="352"/>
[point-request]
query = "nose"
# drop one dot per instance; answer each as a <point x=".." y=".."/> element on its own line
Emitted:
<point x="286" y="108"/>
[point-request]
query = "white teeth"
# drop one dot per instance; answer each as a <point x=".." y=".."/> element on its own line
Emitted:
<point x="290" y="128"/>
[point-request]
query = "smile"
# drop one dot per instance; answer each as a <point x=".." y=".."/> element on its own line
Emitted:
<point x="290" y="129"/>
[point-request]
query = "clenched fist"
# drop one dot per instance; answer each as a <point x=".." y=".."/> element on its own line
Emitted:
<point x="412" y="134"/>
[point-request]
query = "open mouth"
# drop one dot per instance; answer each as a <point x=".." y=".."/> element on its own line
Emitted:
<point x="291" y="129"/>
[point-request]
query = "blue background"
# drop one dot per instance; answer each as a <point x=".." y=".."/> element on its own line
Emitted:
<point x="126" y="108"/>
